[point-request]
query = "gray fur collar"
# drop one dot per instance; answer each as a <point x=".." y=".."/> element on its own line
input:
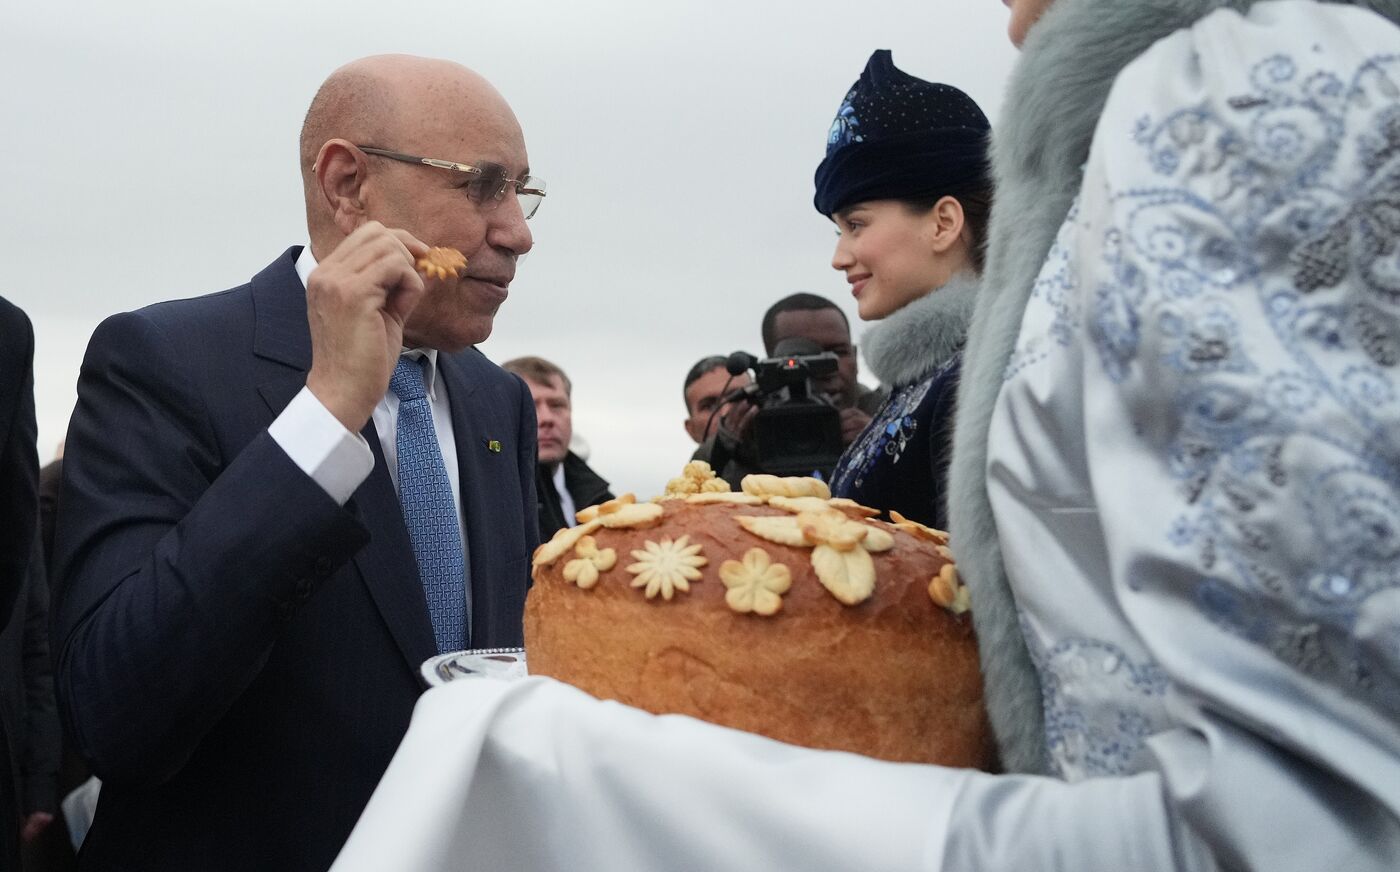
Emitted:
<point x="1056" y="94"/>
<point x="913" y="341"/>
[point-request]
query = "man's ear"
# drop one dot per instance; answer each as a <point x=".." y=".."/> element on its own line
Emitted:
<point x="946" y="223"/>
<point x="341" y="170"/>
<point x="690" y="423"/>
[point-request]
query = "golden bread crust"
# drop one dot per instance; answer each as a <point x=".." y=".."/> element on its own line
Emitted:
<point x="895" y="676"/>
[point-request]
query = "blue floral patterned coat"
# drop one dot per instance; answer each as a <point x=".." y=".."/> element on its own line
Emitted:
<point x="900" y="461"/>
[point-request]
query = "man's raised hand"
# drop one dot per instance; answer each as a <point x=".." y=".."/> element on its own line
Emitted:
<point x="357" y="300"/>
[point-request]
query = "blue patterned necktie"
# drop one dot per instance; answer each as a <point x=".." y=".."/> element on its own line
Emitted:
<point x="429" y="511"/>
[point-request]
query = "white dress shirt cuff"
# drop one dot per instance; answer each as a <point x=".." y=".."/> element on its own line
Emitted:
<point x="316" y="441"/>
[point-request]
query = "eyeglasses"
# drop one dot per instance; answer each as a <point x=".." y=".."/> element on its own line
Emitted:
<point x="489" y="185"/>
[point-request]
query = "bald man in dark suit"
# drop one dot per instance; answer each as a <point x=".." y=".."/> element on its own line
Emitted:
<point x="281" y="499"/>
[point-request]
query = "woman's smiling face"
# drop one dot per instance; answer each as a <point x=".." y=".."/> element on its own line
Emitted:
<point x="887" y="251"/>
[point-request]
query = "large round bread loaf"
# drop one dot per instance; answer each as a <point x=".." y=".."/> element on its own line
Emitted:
<point x="895" y="676"/>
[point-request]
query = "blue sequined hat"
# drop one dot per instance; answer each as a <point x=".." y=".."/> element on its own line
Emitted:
<point x="899" y="137"/>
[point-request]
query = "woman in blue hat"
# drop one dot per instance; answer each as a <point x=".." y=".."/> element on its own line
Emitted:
<point x="905" y="180"/>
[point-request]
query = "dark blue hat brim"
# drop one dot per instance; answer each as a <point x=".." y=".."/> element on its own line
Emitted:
<point x="912" y="166"/>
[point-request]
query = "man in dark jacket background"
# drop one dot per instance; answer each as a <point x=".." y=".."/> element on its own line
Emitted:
<point x="563" y="481"/>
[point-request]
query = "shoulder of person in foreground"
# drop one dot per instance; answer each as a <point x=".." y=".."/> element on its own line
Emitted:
<point x="1232" y="296"/>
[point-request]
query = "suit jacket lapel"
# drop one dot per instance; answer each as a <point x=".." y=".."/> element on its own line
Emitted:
<point x="386" y="564"/>
<point x="281" y="337"/>
<point x="280" y="330"/>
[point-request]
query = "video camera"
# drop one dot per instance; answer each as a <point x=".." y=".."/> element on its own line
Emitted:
<point x="797" y="430"/>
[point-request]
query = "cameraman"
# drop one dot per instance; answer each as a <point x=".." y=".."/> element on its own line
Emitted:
<point x="820" y="322"/>
<point x="815" y="318"/>
<point x="705" y="387"/>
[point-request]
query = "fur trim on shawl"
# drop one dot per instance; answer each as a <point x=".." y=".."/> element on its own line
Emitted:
<point x="913" y="341"/>
<point x="1057" y="92"/>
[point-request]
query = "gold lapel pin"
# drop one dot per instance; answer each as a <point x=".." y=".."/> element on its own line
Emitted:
<point x="493" y="446"/>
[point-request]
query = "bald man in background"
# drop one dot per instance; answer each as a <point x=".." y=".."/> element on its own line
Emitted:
<point x="281" y="499"/>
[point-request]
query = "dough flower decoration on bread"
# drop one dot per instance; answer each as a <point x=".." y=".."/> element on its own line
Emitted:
<point x="756" y="584"/>
<point x="614" y="514"/>
<point x="792" y="486"/>
<point x="798" y="505"/>
<point x="696" y="478"/>
<point x="918" y="530"/>
<point x="439" y="263"/>
<point x="948" y="591"/>
<point x="623" y="512"/>
<point x="851" y="507"/>
<point x="563" y="542"/>
<point x="841" y="547"/>
<point x="583" y="570"/>
<point x="666" y="566"/>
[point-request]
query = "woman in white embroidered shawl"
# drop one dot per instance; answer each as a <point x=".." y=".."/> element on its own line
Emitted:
<point x="905" y="179"/>
<point x="1176" y="476"/>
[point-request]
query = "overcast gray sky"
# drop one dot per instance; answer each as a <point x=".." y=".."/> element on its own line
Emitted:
<point x="151" y="155"/>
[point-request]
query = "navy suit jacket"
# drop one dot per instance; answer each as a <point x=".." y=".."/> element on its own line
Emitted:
<point x="238" y="655"/>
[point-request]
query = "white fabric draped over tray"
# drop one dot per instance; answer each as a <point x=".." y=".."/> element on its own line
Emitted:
<point x="536" y="775"/>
